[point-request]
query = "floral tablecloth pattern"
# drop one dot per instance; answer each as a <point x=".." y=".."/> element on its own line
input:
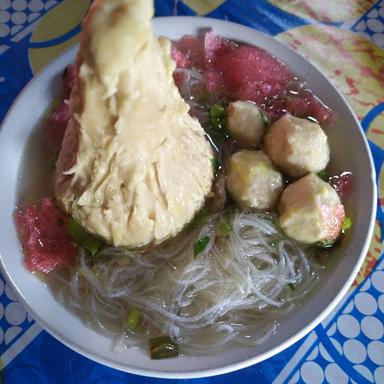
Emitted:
<point x="345" y="38"/>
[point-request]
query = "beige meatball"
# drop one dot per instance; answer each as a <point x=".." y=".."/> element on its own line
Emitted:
<point x="246" y="122"/>
<point x="252" y="180"/>
<point x="311" y="211"/>
<point x="297" y="146"/>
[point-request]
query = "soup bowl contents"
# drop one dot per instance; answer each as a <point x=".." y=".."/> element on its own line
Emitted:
<point x="191" y="206"/>
<point x="186" y="198"/>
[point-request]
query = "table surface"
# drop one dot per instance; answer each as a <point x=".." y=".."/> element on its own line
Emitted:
<point x="345" y="38"/>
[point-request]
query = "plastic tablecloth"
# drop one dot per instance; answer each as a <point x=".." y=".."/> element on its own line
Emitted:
<point x="345" y="38"/>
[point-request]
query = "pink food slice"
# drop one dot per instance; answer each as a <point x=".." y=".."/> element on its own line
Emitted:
<point x="55" y="125"/>
<point x="45" y="241"/>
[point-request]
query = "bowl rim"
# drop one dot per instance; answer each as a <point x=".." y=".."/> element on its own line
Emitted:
<point x="219" y="370"/>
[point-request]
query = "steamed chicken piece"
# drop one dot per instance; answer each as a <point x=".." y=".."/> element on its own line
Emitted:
<point x="252" y="180"/>
<point x="246" y="122"/>
<point x="297" y="146"/>
<point x="311" y="211"/>
<point x="134" y="166"/>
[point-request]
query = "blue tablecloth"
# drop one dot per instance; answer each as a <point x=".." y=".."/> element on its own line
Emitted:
<point x="346" y="39"/>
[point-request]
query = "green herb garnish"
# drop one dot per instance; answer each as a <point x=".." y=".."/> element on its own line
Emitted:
<point x="323" y="175"/>
<point x="162" y="348"/>
<point x="347" y="224"/>
<point x="217" y="115"/>
<point x="200" y="245"/>
<point x="200" y="219"/>
<point x="225" y="228"/>
<point x="133" y="319"/>
<point x="82" y="238"/>
<point x="265" y="118"/>
<point x="215" y="164"/>
<point x="217" y="128"/>
<point x="276" y="240"/>
<point x="325" y="243"/>
<point x="292" y="286"/>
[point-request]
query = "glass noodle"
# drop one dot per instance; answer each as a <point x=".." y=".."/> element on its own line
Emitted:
<point x="229" y="292"/>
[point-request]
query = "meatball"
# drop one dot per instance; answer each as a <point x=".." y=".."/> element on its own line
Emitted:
<point x="246" y="122"/>
<point x="297" y="146"/>
<point x="252" y="180"/>
<point x="310" y="211"/>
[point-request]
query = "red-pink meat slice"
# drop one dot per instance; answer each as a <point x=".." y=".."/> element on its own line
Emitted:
<point x="236" y="72"/>
<point x="44" y="239"/>
<point x="307" y="104"/>
<point x="216" y="46"/>
<point x="55" y="125"/>
<point x="342" y="183"/>
<point x="245" y="72"/>
<point x="251" y="73"/>
<point x="69" y="79"/>
<point x="188" y="52"/>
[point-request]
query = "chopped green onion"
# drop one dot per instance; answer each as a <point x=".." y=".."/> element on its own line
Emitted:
<point x="276" y="241"/>
<point x="82" y="238"/>
<point x="217" y="129"/>
<point x="200" y="245"/>
<point x="215" y="164"/>
<point x="162" y="348"/>
<point x="200" y="219"/>
<point x="133" y="319"/>
<point x="325" y="243"/>
<point x="323" y="175"/>
<point x="265" y="118"/>
<point x="292" y="286"/>
<point x="217" y="115"/>
<point x="274" y="244"/>
<point x="347" y="224"/>
<point x="225" y="228"/>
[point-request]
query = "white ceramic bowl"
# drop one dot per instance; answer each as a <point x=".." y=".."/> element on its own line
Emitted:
<point x="349" y="152"/>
